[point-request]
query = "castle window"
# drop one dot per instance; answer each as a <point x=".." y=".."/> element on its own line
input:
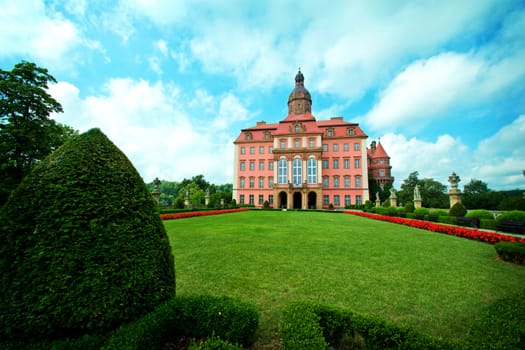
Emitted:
<point x="325" y="181"/>
<point x="382" y="172"/>
<point x="358" y="181"/>
<point x="297" y="143"/>
<point x="336" y="200"/>
<point x="270" y="165"/>
<point x="325" y="163"/>
<point x="270" y="182"/>
<point x="261" y="150"/>
<point x="261" y="199"/>
<point x="312" y="170"/>
<point x="282" y="171"/>
<point x="297" y="171"/>
<point x="350" y="131"/>
<point x="241" y="182"/>
<point x="326" y="200"/>
<point x="358" y="200"/>
<point x="336" y="181"/>
<point x="356" y="147"/>
<point x="248" y="136"/>
<point x="346" y="163"/>
<point x="330" y="132"/>
<point x="241" y="199"/>
<point x="347" y="199"/>
<point x="282" y="143"/>
<point x="325" y="148"/>
<point x="252" y="182"/>
<point x="252" y="166"/>
<point x="297" y="127"/>
<point x="357" y="163"/>
<point x="336" y="163"/>
<point x="252" y="150"/>
<point x="261" y="182"/>
<point x="261" y="165"/>
<point x="345" y="147"/>
<point x="311" y="143"/>
<point x="270" y="199"/>
<point x="243" y="150"/>
<point x="266" y="135"/>
<point x="347" y="181"/>
<point x="252" y="199"/>
<point x="270" y="149"/>
<point x="242" y="166"/>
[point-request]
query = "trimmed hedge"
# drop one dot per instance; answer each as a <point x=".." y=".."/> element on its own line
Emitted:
<point x="480" y="214"/>
<point x="511" y="251"/>
<point x="501" y="326"/>
<point x="215" y="344"/>
<point x="306" y="325"/>
<point x="83" y="248"/>
<point x="457" y="209"/>
<point x="193" y="316"/>
<point x="512" y="215"/>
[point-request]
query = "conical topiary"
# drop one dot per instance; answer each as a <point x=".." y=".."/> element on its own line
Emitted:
<point x="82" y="247"/>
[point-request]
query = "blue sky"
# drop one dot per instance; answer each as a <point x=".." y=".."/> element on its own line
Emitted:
<point x="172" y="83"/>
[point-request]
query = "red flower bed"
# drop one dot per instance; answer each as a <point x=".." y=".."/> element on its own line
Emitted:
<point x="479" y="235"/>
<point x="191" y="214"/>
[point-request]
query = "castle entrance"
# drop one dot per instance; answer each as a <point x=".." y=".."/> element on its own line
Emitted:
<point x="297" y="200"/>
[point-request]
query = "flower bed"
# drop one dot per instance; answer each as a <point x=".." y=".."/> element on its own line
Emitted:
<point x="199" y="213"/>
<point x="479" y="235"/>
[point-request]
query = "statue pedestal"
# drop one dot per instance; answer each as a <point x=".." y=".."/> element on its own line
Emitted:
<point x="454" y="196"/>
<point x="378" y="202"/>
<point x="156" y="195"/>
<point x="417" y="203"/>
<point x="393" y="201"/>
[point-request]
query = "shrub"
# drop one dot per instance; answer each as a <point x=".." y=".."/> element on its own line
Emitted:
<point x="480" y="214"/>
<point x="500" y="326"/>
<point x="511" y="251"/>
<point x="215" y="343"/>
<point x="83" y="248"/>
<point x="487" y="224"/>
<point x="300" y="328"/>
<point x="312" y="326"/>
<point x="438" y="212"/>
<point x="409" y="207"/>
<point x="421" y="211"/>
<point x="457" y="209"/>
<point x="368" y="204"/>
<point x="192" y="316"/>
<point x="266" y="205"/>
<point x="513" y="215"/>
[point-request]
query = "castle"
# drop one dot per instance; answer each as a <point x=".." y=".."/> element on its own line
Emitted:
<point x="304" y="163"/>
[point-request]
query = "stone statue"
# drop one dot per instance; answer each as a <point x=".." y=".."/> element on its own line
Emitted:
<point x="377" y="196"/>
<point x="417" y="195"/>
<point x="392" y="192"/>
<point x="187" y="193"/>
<point x="156" y="184"/>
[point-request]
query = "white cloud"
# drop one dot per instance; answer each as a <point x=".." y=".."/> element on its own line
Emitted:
<point x="498" y="160"/>
<point x="151" y="124"/>
<point x="435" y="160"/>
<point x="425" y="90"/>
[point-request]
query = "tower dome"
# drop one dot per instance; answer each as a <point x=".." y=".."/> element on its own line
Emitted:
<point x="300" y="100"/>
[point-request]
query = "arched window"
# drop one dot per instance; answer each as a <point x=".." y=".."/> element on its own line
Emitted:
<point x="297" y="171"/>
<point x="312" y="170"/>
<point x="282" y="171"/>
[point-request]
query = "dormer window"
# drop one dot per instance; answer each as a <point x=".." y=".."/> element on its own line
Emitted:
<point x="297" y="128"/>
<point x="266" y="135"/>
<point x="330" y="132"/>
<point x="350" y="131"/>
<point x="248" y="136"/>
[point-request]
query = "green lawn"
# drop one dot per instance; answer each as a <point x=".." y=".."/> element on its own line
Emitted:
<point x="434" y="282"/>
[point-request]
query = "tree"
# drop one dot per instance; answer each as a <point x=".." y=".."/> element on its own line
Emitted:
<point x="433" y="193"/>
<point x="27" y="134"/>
<point x="82" y="248"/>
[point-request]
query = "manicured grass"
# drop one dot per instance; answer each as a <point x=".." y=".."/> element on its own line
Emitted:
<point x="434" y="282"/>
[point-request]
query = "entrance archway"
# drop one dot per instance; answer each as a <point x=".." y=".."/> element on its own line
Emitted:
<point x="297" y="200"/>
<point x="312" y="200"/>
<point x="283" y="200"/>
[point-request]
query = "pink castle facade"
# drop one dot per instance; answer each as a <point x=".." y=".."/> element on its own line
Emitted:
<point x="304" y="163"/>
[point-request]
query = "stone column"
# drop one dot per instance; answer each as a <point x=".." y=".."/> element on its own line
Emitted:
<point x="454" y="193"/>
<point x="207" y="197"/>
<point x="187" y="199"/>
<point x="378" y="200"/>
<point x="417" y="197"/>
<point x="393" y="197"/>
<point x="156" y="191"/>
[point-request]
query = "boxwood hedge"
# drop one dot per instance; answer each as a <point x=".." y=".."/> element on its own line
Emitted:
<point x="82" y="247"/>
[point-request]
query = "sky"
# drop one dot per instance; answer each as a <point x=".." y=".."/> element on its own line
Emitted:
<point x="172" y="83"/>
